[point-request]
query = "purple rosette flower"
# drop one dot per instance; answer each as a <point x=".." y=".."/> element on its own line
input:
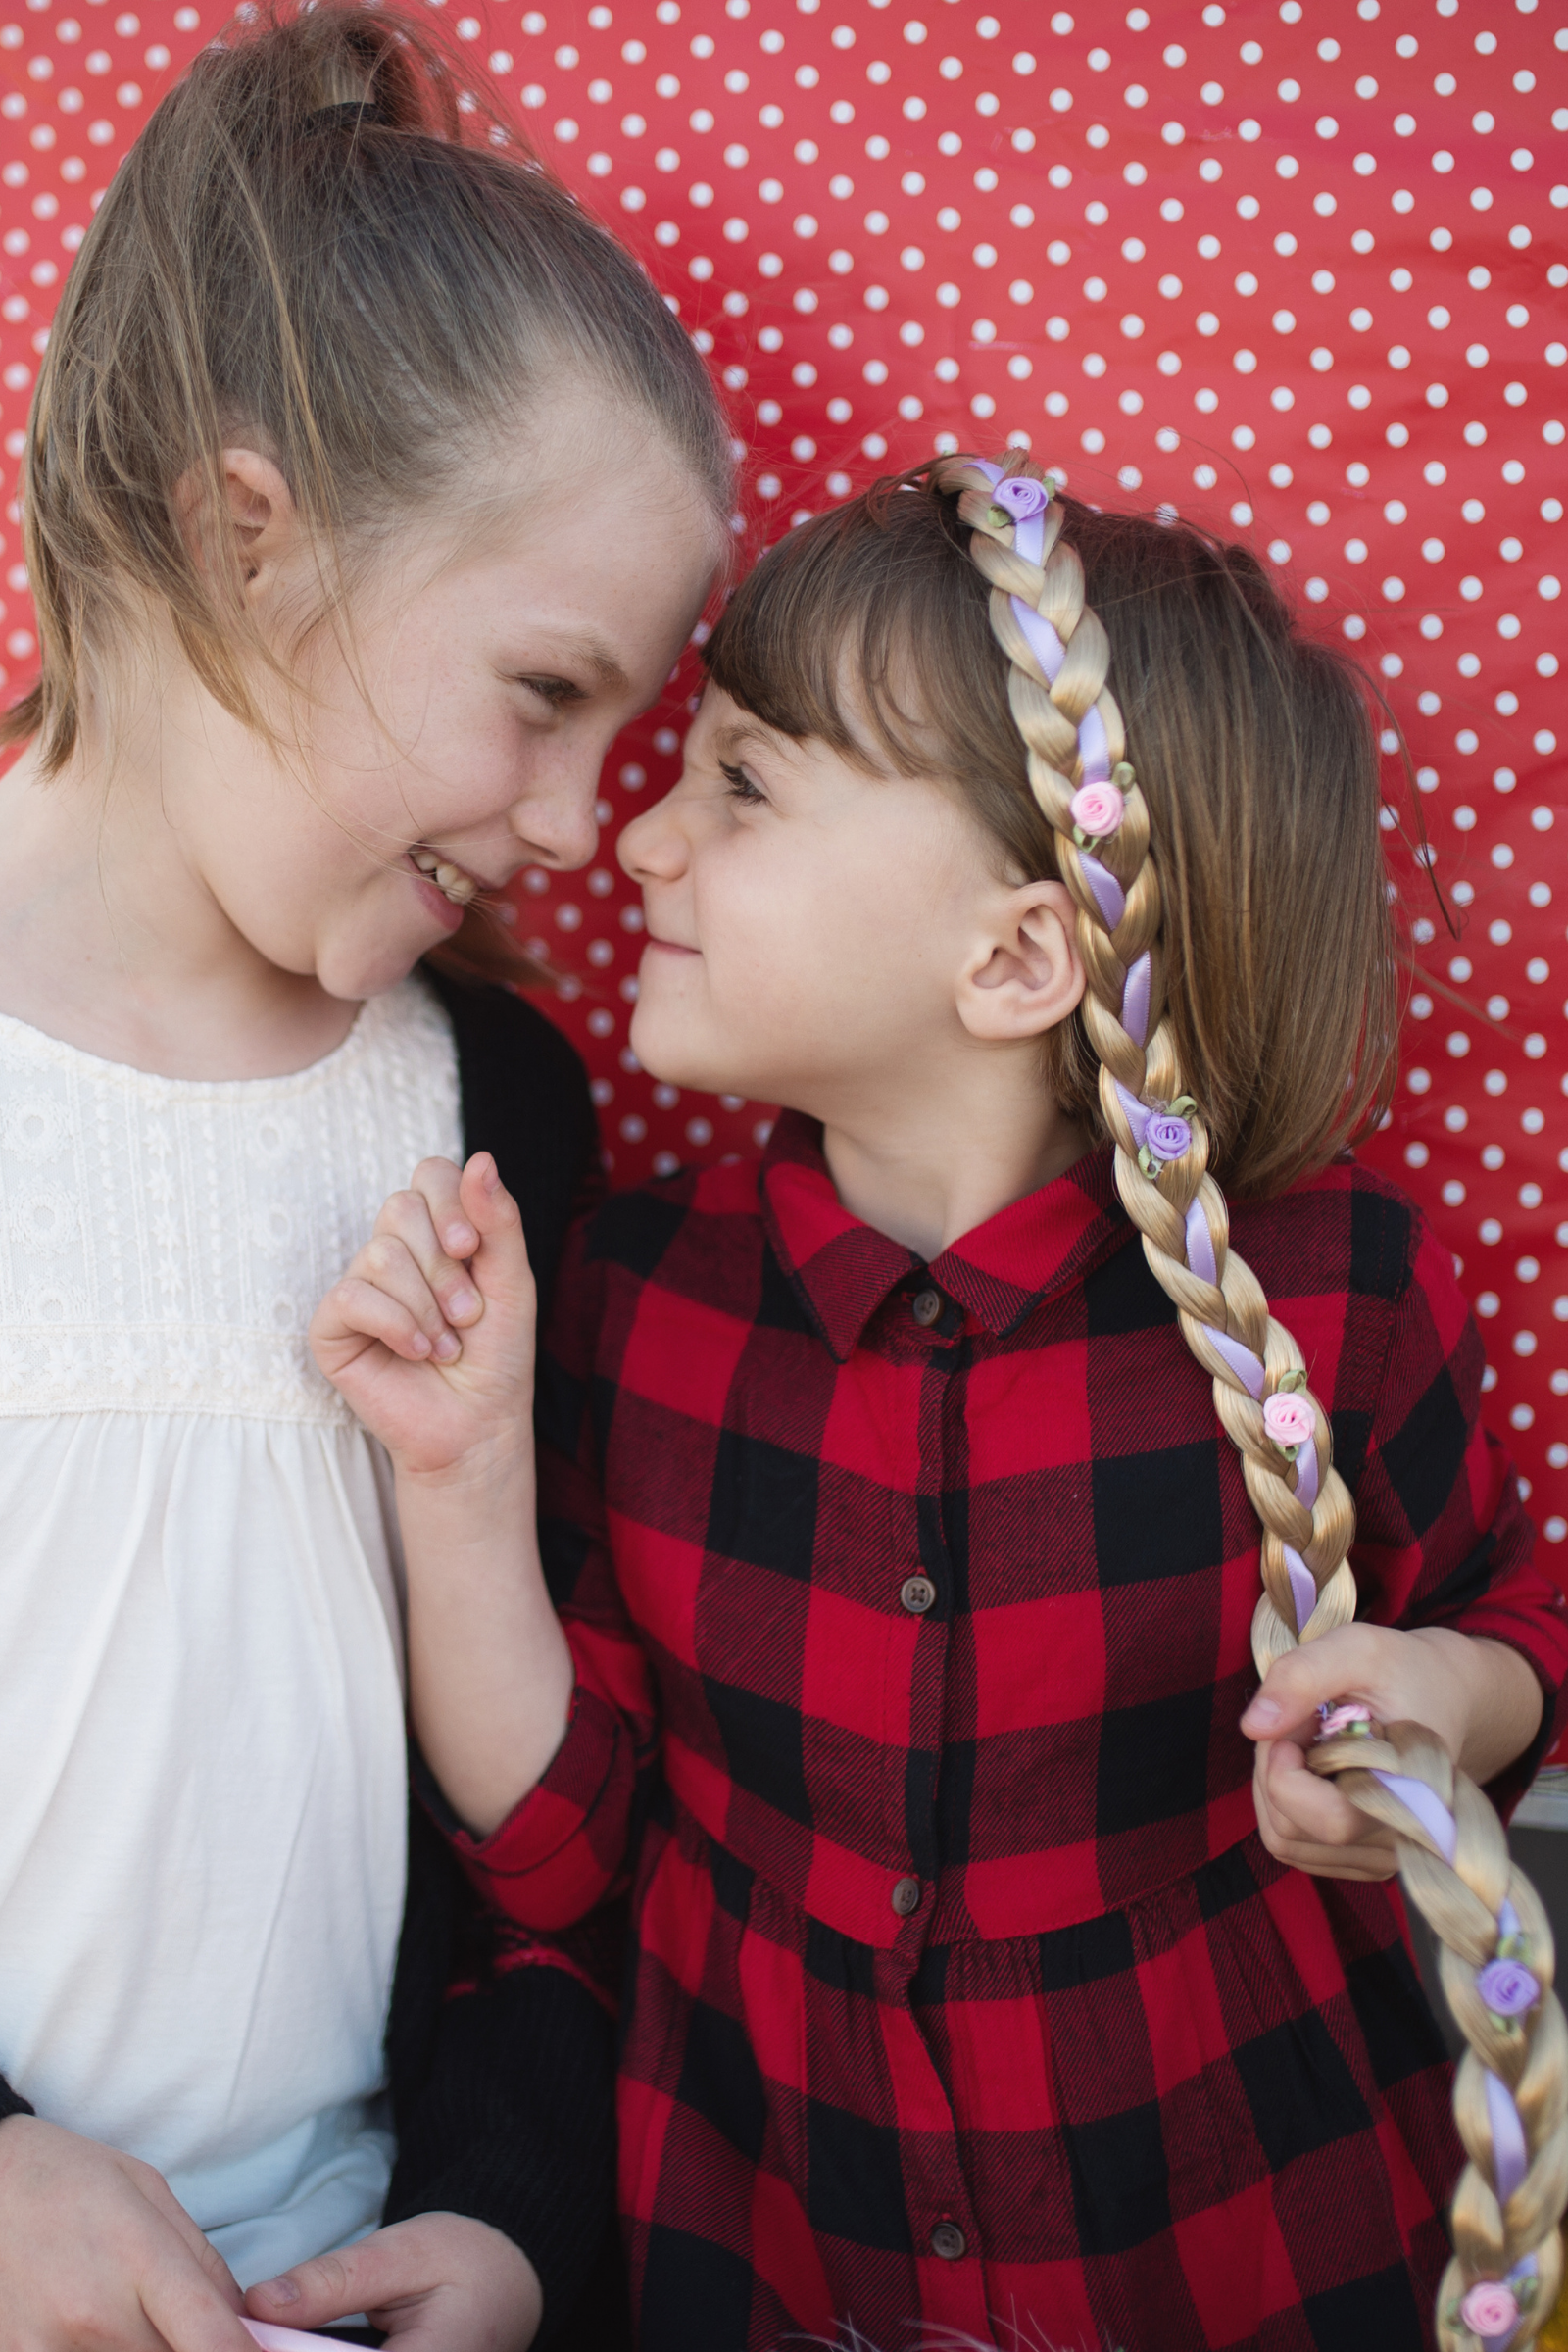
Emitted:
<point x="1508" y="1987"/>
<point x="1021" y="496"/>
<point x="1167" y="1135"/>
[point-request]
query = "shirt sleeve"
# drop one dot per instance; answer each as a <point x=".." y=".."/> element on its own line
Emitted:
<point x="515" y="2123"/>
<point x="568" y="1844"/>
<point x="1442" y="1536"/>
<point x="500" y="2062"/>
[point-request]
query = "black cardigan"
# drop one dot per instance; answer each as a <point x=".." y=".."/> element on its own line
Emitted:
<point x="504" y="2089"/>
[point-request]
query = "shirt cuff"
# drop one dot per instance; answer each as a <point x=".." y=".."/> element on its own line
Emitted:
<point x="562" y="1849"/>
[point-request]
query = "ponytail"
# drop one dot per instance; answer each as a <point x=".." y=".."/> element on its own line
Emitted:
<point x="327" y="242"/>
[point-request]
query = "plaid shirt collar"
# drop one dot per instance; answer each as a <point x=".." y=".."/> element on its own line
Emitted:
<point x="843" y="1270"/>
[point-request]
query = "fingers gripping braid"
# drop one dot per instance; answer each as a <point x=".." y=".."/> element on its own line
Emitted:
<point x="1511" y="2094"/>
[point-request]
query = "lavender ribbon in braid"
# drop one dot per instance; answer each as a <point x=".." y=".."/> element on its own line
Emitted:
<point x="1497" y="1941"/>
<point x="1154" y="1127"/>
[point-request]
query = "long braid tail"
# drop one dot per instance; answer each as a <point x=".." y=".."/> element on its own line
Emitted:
<point x="1511" y="2090"/>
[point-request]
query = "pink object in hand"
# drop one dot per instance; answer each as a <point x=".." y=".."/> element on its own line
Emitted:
<point x="287" y="2339"/>
<point x="1288" y="1419"/>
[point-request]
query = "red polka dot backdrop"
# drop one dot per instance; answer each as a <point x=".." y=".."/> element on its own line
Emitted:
<point x="1294" y="271"/>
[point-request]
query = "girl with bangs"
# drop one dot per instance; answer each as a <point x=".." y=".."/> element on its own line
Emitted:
<point x="1004" y="1960"/>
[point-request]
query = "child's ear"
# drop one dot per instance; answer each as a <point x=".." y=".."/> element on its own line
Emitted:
<point x="258" y="518"/>
<point x="1024" y="973"/>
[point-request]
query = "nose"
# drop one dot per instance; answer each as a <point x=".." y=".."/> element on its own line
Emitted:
<point x="555" y="818"/>
<point x="653" y="848"/>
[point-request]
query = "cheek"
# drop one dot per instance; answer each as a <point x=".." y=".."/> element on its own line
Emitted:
<point x="423" y="741"/>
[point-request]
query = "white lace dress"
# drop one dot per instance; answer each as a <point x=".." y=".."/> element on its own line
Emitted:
<point x="202" y="1779"/>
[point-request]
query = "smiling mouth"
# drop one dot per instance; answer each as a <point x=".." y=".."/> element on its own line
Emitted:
<point x="459" y="887"/>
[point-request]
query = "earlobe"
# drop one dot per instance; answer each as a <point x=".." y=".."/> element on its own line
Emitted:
<point x="1025" y="974"/>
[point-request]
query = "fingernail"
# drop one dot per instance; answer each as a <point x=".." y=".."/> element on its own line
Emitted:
<point x="491" y="1179"/>
<point x="463" y="1303"/>
<point x="448" y="1345"/>
<point x="419" y="1344"/>
<point x="1264" y="1714"/>
<point x="461" y="1240"/>
<point x="280" y="2290"/>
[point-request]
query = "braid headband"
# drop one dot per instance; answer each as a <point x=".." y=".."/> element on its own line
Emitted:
<point x="1496" y="1945"/>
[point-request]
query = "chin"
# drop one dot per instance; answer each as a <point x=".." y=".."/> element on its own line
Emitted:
<point x="677" y="1061"/>
<point x="351" y="977"/>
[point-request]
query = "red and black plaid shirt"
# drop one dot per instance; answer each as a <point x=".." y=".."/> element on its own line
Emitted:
<point x="910" y="1608"/>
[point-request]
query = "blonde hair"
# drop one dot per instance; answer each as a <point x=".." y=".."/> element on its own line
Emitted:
<point x="327" y="239"/>
<point x="1511" y="2091"/>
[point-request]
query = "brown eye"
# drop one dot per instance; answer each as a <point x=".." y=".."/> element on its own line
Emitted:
<point x="741" y="787"/>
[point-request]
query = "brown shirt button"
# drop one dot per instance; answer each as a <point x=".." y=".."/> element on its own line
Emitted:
<point x="949" y="2241"/>
<point x="918" y="1592"/>
<point x="925" y="1306"/>
<point x="907" y="1897"/>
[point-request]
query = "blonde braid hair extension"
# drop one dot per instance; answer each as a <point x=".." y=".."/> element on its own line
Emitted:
<point x="1511" y="2090"/>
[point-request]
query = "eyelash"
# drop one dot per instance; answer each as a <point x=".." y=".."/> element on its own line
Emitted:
<point x="557" y="692"/>
<point x="741" y="787"/>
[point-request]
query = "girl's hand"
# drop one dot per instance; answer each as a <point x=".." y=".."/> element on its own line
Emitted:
<point x="430" y="1334"/>
<point x="431" y="1337"/>
<point x="1479" y="1696"/>
<point x="96" y="2250"/>
<point x="440" y="2283"/>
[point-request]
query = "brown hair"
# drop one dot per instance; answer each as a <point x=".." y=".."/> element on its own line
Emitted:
<point x="325" y="239"/>
<point x="869" y="628"/>
<point x="1232" y="917"/>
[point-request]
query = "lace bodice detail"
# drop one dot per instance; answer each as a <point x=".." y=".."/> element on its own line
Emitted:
<point x="164" y="1242"/>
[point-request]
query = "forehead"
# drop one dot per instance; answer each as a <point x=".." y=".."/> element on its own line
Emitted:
<point x="725" y="729"/>
<point x="588" y="490"/>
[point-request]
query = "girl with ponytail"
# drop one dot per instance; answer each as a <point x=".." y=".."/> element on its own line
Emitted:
<point x="1026" y="1553"/>
<point x="337" y="378"/>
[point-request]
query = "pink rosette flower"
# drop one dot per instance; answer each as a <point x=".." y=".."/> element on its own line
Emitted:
<point x="1335" y="1719"/>
<point x="1097" y="809"/>
<point x="1508" y="1987"/>
<point x="1167" y="1135"/>
<point x="1021" y="496"/>
<point x="1489" y="2309"/>
<point x="1288" y="1419"/>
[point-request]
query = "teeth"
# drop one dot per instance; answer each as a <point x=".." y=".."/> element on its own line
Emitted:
<point x="460" y="888"/>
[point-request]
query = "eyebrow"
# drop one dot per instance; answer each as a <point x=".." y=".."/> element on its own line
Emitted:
<point x="593" y="653"/>
<point x="736" y="734"/>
